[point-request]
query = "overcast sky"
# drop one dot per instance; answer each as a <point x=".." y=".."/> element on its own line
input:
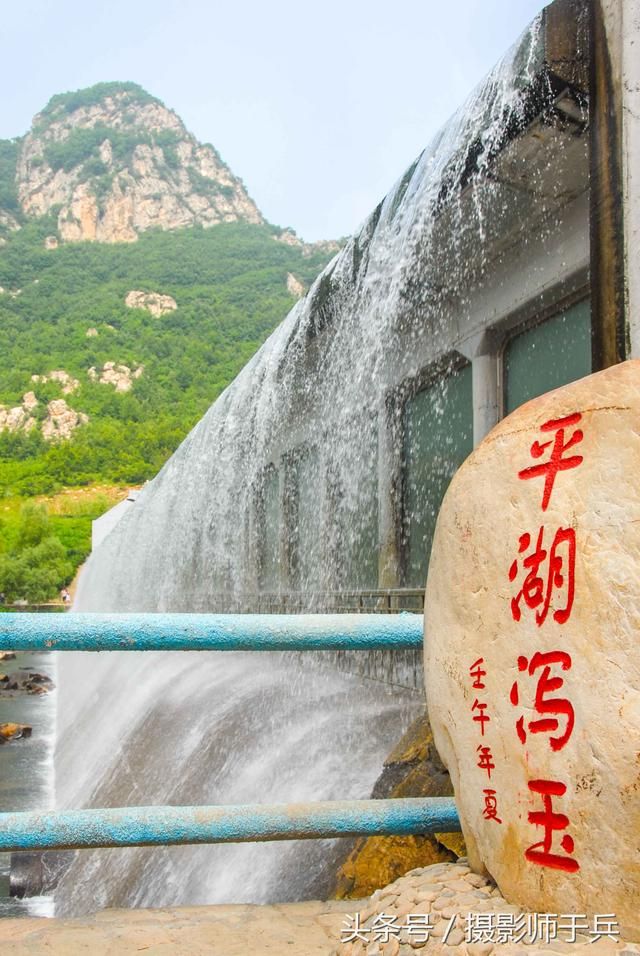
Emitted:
<point x="318" y="106"/>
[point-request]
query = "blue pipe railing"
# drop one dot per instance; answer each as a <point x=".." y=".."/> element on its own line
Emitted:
<point x="154" y="826"/>
<point x="160" y="826"/>
<point x="210" y="632"/>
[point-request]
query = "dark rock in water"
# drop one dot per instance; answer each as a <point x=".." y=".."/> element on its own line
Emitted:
<point x="14" y="732"/>
<point x="34" y="874"/>
<point x="30" y="681"/>
<point x="33" y="688"/>
<point x="39" y="678"/>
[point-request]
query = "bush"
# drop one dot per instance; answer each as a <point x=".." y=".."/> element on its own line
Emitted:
<point x="8" y="161"/>
<point x="37" y="566"/>
<point x="34" y="526"/>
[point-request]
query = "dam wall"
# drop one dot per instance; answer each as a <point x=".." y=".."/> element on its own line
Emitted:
<point x="314" y="482"/>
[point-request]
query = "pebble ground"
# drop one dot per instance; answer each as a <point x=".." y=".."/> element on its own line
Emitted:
<point x="446" y="893"/>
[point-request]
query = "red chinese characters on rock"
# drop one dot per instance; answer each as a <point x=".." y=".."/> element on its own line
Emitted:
<point x="540" y="853"/>
<point x="550" y="709"/>
<point x="485" y="761"/>
<point x="556" y="463"/>
<point x="490" y="811"/>
<point x="547" y="574"/>
<point x="481" y="717"/>
<point x="538" y="591"/>
<point x="477" y="673"/>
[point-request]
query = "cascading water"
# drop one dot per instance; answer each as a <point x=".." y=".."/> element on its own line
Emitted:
<point x="234" y="728"/>
<point x="186" y="728"/>
<point x="27" y="781"/>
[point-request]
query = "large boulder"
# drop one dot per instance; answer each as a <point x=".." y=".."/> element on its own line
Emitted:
<point x="532" y="622"/>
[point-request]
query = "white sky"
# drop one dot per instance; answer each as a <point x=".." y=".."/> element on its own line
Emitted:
<point x="319" y="107"/>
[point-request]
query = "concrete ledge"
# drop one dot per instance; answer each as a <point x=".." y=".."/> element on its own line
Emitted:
<point x="294" y="929"/>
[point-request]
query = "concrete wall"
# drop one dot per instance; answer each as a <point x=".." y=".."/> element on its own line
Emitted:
<point x="629" y="38"/>
<point x="101" y="526"/>
<point x="616" y="147"/>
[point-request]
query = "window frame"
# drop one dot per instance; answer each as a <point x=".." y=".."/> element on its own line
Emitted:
<point x="516" y="326"/>
<point x="429" y="375"/>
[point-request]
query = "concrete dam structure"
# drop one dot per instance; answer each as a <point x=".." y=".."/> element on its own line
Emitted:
<point x="493" y="271"/>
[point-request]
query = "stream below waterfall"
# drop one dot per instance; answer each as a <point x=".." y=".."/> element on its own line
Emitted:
<point x="227" y="728"/>
<point x="26" y="766"/>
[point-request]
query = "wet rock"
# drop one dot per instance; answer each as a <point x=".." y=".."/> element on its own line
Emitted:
<point x="8" y="684"/>
<point x="7" y="655"/>
<point x="412" y="769"/>
<point x="14" y="732"/>
<point x="40" y="678"/>
<point x="30" y="682"/>
<point x="32" y="688"/>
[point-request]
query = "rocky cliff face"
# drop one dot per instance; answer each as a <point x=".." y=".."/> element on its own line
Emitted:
<point x="114" y="161"/>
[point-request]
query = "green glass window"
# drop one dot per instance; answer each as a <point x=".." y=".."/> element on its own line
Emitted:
<point x="548" y="355"/>
<point x="438" y="436"/>
<point x="359" y="515"/>
<point x="270" y="543"/>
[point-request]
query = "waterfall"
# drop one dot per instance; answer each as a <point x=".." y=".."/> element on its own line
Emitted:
<point x="211" y="729"/>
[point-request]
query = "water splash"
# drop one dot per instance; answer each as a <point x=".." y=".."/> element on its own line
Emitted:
<point x="221" y="729"/>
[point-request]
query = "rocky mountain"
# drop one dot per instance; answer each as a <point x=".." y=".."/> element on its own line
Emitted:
<point x="137" y="276"/>
<point x="111" y="162"/>
<point x="111" y="349"/>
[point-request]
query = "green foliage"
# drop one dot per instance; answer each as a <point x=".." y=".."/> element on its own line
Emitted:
<point x="171" y="156"/>
<point x="8" y="160"/>
<point x="166" y="137"/>
<point x="202" y="184"/>
<point x="230" y="285"/>
<point x="94" y="167"/>
<point x="34" y="526"/>
<point x="81" y="147"/>
<point x="101" y="185"/>
<point x="38" y="564"/>
<point x="42" y="545"/>
<point x="76" y="148"/>
<point x="68" y="102"/>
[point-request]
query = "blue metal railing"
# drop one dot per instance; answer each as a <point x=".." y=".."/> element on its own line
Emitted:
<point x="150" y="826"/>
<point x="210" y="632"/>
<point x="159" y="826"/>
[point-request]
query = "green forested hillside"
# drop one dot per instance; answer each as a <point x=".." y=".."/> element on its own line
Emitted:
<point x="108" y="194"/>
<point x="229" y="283"/>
